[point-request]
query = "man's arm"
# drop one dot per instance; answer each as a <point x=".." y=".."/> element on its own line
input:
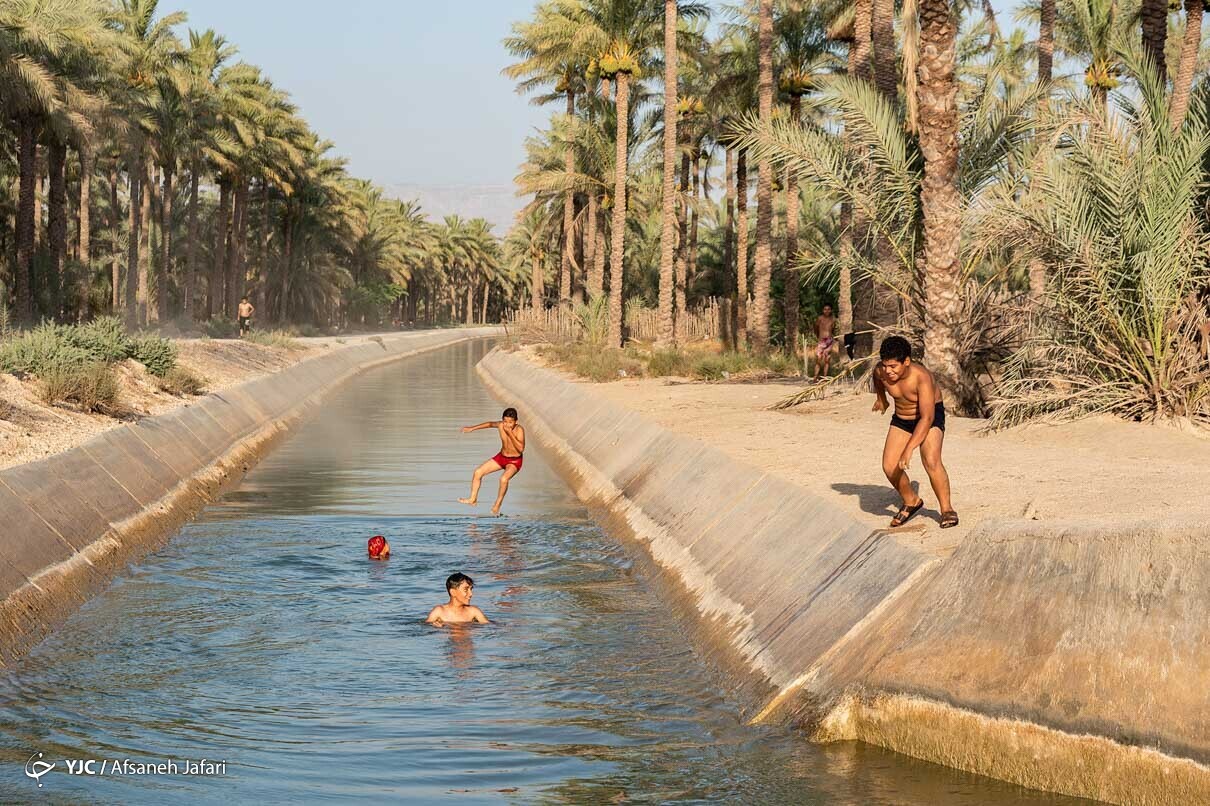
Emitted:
<point x="478" y="616"/>
<point x="880" y="401"/>
<point x="466" y="429"/>
<point x="434" y="616"/>
<point x="518" y="437"/>
<point x="925" y="402"/>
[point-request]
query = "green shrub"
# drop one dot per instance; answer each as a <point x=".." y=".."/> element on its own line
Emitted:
<point x="93" y="386"/>
<point x="104" y="339"/>
<point x="155" y="353"/>
<point x="667" y="362"/>
<point x="596" y="364"/>
<point x="180" y="381"/>
<point x="34" y="351"/>
<point x="220" y="327"/>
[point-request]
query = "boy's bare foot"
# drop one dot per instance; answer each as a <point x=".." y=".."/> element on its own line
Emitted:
<point x="468" y="501"/>
<point x="496" y="511"/>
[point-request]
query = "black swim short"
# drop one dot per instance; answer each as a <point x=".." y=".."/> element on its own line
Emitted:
<point x="910" y="425"/>
<point x="245" y="322"/>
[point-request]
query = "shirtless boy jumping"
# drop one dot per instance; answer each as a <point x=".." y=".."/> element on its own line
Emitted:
<point x="918" y="422"/>
<point x="512" y="447"/>
<point x="458" y="610"/>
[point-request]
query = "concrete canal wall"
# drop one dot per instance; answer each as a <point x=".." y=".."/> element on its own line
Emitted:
<point x="69" y="523"/>
<point x="1047" y="654"/>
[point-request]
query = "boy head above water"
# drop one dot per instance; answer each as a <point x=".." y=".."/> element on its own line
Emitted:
<point x="458" y="610"/>
<point x="378" y="548"/>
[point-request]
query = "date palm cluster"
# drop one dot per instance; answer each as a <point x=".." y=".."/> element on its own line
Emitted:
<point x="1028" y="206"/>
<point x="148" y="172"/>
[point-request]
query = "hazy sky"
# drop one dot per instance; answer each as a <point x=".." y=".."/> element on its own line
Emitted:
<point x="409" y="90"/>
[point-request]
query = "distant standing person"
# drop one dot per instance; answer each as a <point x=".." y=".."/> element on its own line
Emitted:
<point x="246" y="310"/>
<point x="512" y="449"/>
<point x="825" y="325"/>
<point x="918" y="422"/>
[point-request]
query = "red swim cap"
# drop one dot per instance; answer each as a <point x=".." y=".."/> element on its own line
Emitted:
<point x="376" y="545"/>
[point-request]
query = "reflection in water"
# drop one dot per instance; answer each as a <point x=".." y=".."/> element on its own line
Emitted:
<point x="261" y="635"/>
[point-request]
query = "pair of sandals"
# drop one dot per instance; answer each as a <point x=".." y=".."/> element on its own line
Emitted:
<point x="949" y="518"/>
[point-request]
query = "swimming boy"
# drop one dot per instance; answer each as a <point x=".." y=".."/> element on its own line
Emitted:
<point x="824" y="325"/>
<point x="458" y="610"/>
<point x="918" y="422"/>
<point x="512" y="448"/>
<point x="245" y="311"/>
<point x="378" y="548"/>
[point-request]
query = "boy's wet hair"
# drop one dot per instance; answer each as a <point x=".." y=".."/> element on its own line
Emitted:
<point x="509" y="412"/>
<point x="895" y="348"/>
<point x="456" y="579"/>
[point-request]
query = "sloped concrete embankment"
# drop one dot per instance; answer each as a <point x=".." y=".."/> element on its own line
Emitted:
<point x="69" y="523"/>
<point x="1057" y="657"/>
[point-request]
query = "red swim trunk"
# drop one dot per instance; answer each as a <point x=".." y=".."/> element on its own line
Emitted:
<point x="505" y="461"/>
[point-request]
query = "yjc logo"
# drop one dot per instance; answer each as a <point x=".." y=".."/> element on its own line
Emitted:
<point x="36" y="769"/>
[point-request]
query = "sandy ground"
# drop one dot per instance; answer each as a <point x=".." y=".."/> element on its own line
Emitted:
<point x="1092" y="470"/>
<point x="31" y="430"/>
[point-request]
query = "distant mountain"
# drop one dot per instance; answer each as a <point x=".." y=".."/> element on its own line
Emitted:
<point x="496" y="203"/>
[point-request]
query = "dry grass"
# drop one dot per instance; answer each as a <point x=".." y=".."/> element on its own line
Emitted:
<point x="93" y="387"/>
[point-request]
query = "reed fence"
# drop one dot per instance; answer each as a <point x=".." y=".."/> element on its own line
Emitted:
<point x="561" y="324"/>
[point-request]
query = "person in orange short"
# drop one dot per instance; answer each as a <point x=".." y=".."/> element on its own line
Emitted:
<point x="509" y="459"/>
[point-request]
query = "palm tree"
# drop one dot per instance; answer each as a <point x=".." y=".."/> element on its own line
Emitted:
<point x="939" y="199"/>
<point x="763" y="266"/>
<point x="1191" y="44"/>
<point x="668" y="222"/>
<point x="1154" y="16"/>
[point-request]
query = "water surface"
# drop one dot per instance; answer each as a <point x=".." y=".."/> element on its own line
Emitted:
<point x="263" y="637"/>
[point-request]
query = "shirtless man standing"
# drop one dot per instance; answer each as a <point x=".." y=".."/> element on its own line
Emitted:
<point x="825" y="323"/>
<point x="512" y="448"/>
<point x="245" y="311"/>
<point x="918" y="422"/>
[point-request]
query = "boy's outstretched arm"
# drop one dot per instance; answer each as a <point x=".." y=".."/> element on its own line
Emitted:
<point x="466" y="429"/>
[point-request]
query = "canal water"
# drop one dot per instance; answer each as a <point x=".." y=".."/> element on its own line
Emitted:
<point x="261" y="637"/>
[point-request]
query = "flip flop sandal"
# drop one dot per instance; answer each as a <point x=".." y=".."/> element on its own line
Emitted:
<point x="905" y="514"/>
<point x="949" y="519"/>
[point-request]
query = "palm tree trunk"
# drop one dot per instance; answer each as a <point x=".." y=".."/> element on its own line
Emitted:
<point x="682" y="247"/>
<point x="1154" y="15"/>
<point x="262" y="257"/>
<point x="939" y="200"/>
<point x="844" y="291"/>
<point x="569" y="215"/>
<point x="762" y="270"/>
<point x="215" y="293"/>
<point x="27" y="150"/>
<point x="741" y="250"/>
<point x="729" y="237"/>
<point x="855" y="303"/>
<point x="133" y="172"/>
<point x="191" y="246"/>
<point x="57" y="225"/>
<point x="886" y="78"/>
<point x="161" y="283"/>
<point x="536" y="280"/>
<point x="1182" y="85"/>
<point x="85" y="214"/>
<point x="39" y="197"/>
<point x="595" y="280"/>
<point x="670" y="254"/>
<point x="618" y="227"/>
<point x="241" y="242"/>
<point x="691" y="259"/>
<point x="146" y="187"/>
<point x="1046" y="53"/>
<point x="790" y="298"/>
<point x="115" y="222"/>
<point x="1046" y="42"/>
